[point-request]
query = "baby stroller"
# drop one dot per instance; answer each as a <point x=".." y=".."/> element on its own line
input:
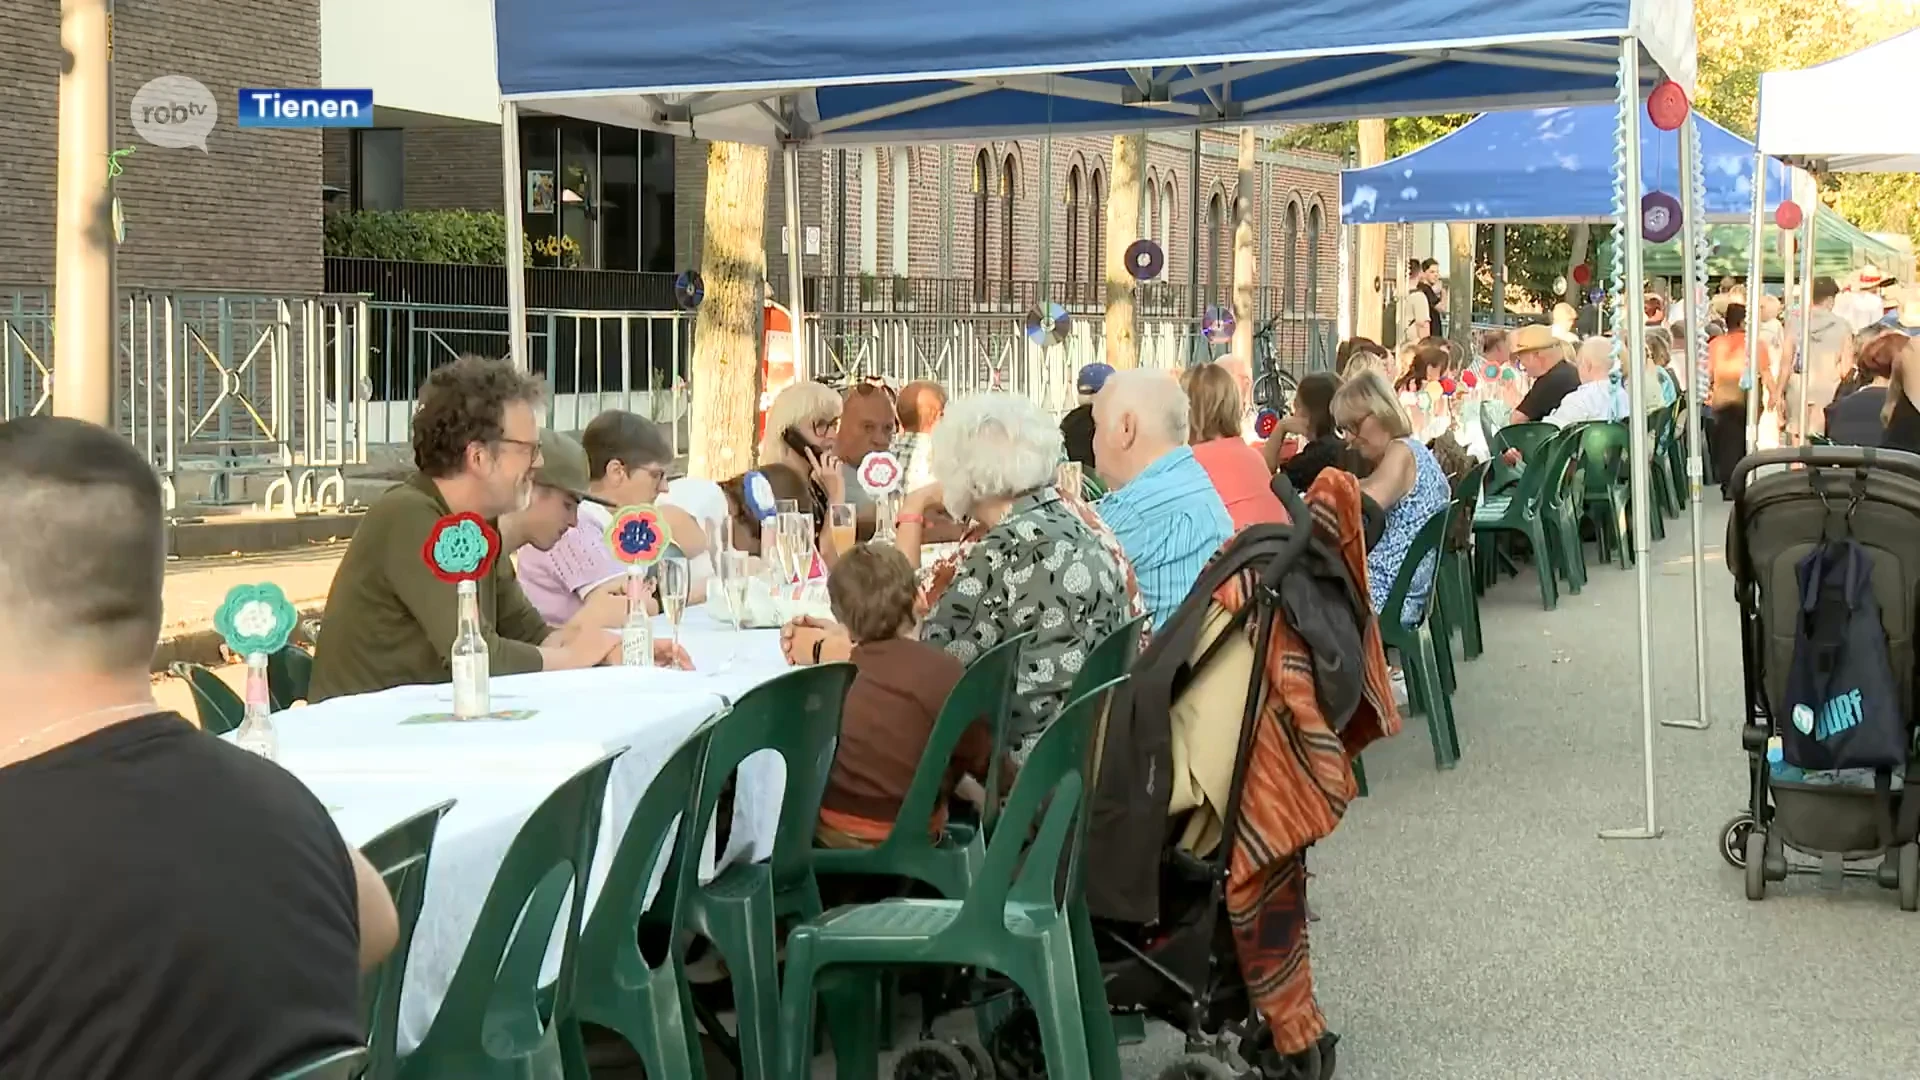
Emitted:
<point x="1815" y="495"/>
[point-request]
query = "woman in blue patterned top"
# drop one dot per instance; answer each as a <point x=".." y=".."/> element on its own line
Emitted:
<point x="1407" y="482"/>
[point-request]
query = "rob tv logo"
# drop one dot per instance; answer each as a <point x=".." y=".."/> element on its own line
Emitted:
<point x="290" y="108"/>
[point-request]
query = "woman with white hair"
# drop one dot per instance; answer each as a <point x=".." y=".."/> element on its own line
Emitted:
<point x="1032" y="559"/>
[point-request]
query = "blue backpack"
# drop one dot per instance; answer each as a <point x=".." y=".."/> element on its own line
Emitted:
<point x="1842" y="704"/>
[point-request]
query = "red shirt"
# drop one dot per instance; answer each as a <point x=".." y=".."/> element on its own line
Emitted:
<point x="1243" y="480"/>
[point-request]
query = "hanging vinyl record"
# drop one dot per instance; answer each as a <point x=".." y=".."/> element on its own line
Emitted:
<point x="689" y="289"/>
<point x="1048" y="324"/>
<point x="1218" y="325"/>
<point x="1659" y="217"/>
<point x="1667" y="106"/>
<point x="1560" y="285"/>
<point x="1145" y="260"/>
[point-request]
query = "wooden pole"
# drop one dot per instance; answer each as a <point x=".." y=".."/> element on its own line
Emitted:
<point x="1371" y="303"/>
<point x="83" y="350"/>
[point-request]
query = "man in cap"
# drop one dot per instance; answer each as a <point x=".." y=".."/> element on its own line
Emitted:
<point x="1538" y="351"/>
<point x="1077" y="426"/>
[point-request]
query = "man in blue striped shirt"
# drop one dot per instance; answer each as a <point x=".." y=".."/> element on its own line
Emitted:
<point x="1163" y="509"/>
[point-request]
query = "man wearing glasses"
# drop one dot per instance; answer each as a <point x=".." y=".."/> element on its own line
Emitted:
<point x="389" y="621"/>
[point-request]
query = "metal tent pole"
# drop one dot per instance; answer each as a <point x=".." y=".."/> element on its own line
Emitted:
<point x="1801" y="356"/>
<point x="516" y="253"/>
<point x="1756" y="272"/>
<point x="1630" y="316"/>
<point x="796" y="285"/>
<point x="1693" y="274"/>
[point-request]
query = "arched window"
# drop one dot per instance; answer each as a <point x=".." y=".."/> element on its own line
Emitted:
<point x="1289" y="299"/>
<point x="1009" y="186"/>
<point x="1313" y="259"/>
<point x="1167" y="203"/>
<point x="982" y="173"/>
<point x="869" y="212"/>
<point x="1097" y="232"/>
<point x="1216" y="245"/>
<point x="902" y="211"/>
<point x="1073" y="227"/>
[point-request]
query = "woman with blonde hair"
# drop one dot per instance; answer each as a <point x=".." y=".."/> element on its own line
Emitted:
<point x="1237" y="470"/>
<point x="1407" y="483"/>
<point x="810" y="411"/>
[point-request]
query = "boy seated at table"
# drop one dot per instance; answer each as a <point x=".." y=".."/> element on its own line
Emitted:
<point x="893" y="704"/>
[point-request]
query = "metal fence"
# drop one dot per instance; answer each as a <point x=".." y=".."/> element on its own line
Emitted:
<point x="210" y="387"/>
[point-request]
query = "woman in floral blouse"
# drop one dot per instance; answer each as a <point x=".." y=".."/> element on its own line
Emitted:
<point x="1032" y="561"/>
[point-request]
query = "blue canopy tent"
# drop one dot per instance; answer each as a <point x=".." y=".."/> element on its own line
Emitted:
<point x="881" y="71"/>
<point x="1546" y="166"/>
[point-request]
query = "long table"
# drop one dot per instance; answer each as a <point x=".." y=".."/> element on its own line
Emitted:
<point x="376" y="759"/>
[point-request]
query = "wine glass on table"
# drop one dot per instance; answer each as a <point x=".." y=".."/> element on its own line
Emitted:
<point x="840" y="526"/>
<point x="735" y="574"/>
<point x="675" y="582"/>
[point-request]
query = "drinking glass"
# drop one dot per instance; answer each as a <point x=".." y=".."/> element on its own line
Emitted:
<point x="885" y="509"/>
<point x="783" y="507"/>
<point x="675" y="579"/>
<point x="1070" y="480"/>
<point x="840" y="524"/>
<point x="735" y="573"/>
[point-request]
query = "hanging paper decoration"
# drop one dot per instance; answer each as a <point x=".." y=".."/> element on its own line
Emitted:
<point x="637" y="536"/>
<point x="1787" y="215"/>
<point x="1667" y="106"/>
<point x="461" y="547"/>
<point x="255" y="619"/>
<point x="1145" y="260"/>
<point x="1219" y="325"/>
<point x="1048" y="324"/>
<point x="1509" y="374"/>
<point x="1491" y="371"/>
<point x="1582" y="274"/>
<point x="757" y="491"/>
<point x="689" y="289"/>
<point x="879" y="473"/>
<point x="1448" y="386"/>
<point x="1469" y="379"/>
<point x="1264" y="422"/>
<point x="1659" y="217"/>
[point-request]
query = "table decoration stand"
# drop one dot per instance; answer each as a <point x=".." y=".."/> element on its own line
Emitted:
<point x="638" y="538"/>
<point x="255" y="621"/>
<point x="461" y="549"/>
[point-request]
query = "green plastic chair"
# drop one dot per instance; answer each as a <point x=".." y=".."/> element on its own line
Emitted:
<point x="401" y="855"/>
<point x="615" y="985"/>
<point x="1603" y="468"/>
<point x="217" y="707"/>
<point x="1419" y="646"/>
<point x="1563" y="505"/>
<point x="491" y="1024"/>
<point x="796" y="716"/>
<point x="1520" y="510"/>
<point x="1459" y="599"/>
<point x="344" y="1065"/>
<point x="1013" y="921"/>
<point x="1526" y="438"/>
<point x="1660" y="467"/>
<point x="1674" y="451"/>
<point x="950" y="864"/>
<point x="289" y="674"/>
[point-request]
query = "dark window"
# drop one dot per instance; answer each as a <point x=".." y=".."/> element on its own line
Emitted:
<point x="1313" y="259"/>
<point x="1009" y="185"/>
<point x="981" y="169"/>
<point x="379" y="169"/>
<point x="1073" y="227"/>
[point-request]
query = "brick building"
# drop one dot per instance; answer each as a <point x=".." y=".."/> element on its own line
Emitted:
<point x="244" y="216"/>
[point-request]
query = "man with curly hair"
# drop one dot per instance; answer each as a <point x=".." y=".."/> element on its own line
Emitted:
<point x="389" y="620"/>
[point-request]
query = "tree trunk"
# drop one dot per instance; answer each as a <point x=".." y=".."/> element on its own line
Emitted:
<point x="1460" y="284"/>
<point x="1245" y="254"/>
<point x="1123" y="228"/>
<point x="1370" y="299"/>
<point x="726" y="337"/>
<point x="1582" y="233"/>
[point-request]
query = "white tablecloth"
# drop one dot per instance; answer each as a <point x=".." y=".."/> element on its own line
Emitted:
<point x="372" y="770"/>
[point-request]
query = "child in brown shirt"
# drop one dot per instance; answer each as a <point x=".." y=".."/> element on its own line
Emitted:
<point x="893" y="703"/>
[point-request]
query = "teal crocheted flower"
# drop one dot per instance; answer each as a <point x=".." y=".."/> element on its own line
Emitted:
<point x="255" y="619"/>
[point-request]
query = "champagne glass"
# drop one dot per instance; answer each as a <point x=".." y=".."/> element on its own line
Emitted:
<point x="735" y="573"/>
<point x="840" y="524"/>
<point x="675" y="580"/>
<point x="783" y="507"/>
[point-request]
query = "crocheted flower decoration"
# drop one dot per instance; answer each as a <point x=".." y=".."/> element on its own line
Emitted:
<point x="637" y="536"/>
<point x="461" y="547"/>
<point x="255" y="619"/>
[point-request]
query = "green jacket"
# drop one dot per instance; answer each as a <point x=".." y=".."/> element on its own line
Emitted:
<point x="390" y="622"/>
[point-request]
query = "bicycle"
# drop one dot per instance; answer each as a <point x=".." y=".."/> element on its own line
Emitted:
<point x="1273" y="385"/>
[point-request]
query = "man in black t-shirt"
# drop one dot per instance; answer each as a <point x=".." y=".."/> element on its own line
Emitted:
<point x="1541" y="356"/>
<point x="1430" y="288"/>
<point x="171" y="905"/>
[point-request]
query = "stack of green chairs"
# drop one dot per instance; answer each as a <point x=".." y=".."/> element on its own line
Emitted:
<point x="492" y="1024"/>
<point x="1013" y="921"/>
<point x="1666" y="498"/>
<point x="1523" y="510"/>
<point x="796" y="716"/>
<point x="1564" y="505"/>
<point x="644" y="1000"/>
<point x="1454" y="588"/>
<point x="400" y="855"/>
<point x="1603" y="472"/>
<point x="1419" y="644"/>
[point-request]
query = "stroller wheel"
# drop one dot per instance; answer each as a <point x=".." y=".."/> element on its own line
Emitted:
<point x="1199" y="1067"/>
<point x="934" y="1061"/>
<point x="1910" y="877"/>
<point x="1756" y="866"/>
<point x="1016" y="1049"/>
<point x="1733" y="840"/>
